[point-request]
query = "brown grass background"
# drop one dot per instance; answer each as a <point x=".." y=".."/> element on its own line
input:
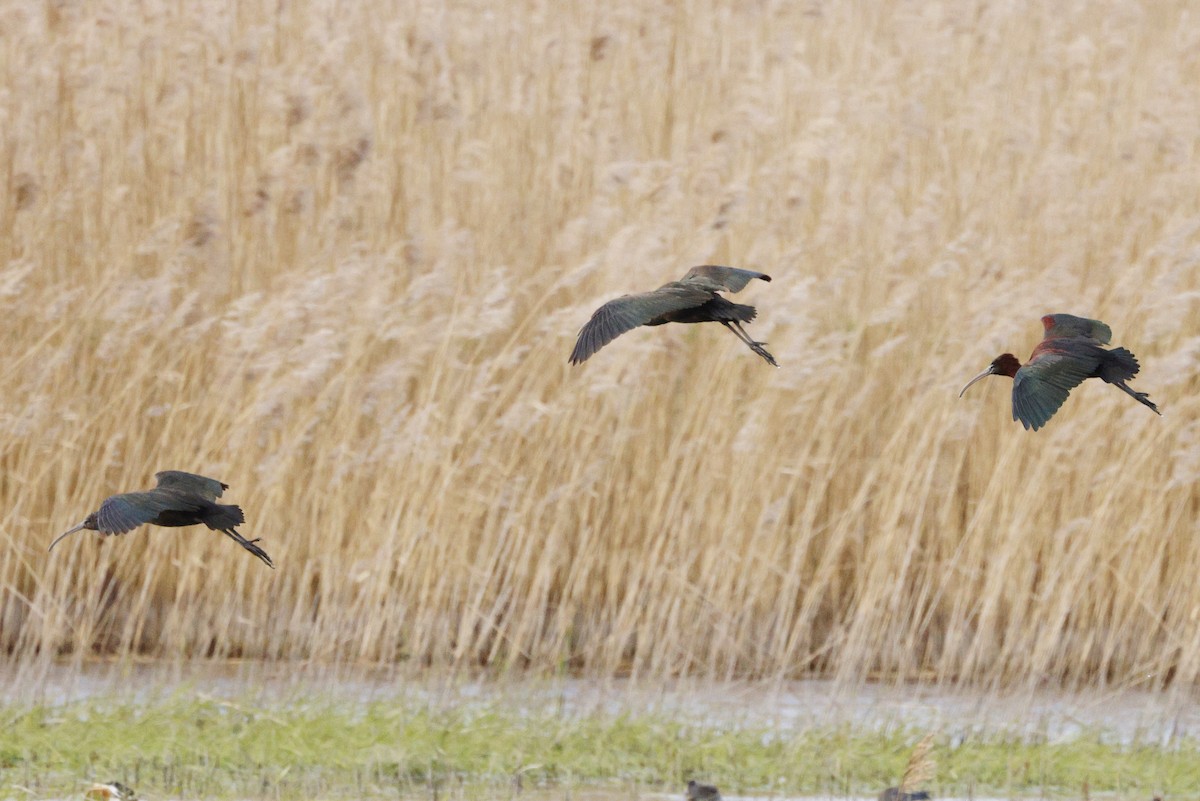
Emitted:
<point x="336" y="255"/>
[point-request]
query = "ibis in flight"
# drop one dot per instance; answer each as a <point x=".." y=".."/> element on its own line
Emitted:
<point x="180" y="499"/>
<point x="692" y="299"/>
<point x="1069" y="352"/>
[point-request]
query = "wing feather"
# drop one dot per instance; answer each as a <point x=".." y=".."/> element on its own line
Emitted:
<point x="125" y="512"/>
<point x="203" y="486"/>
<point x="1042" y="385"/>
<point x="716" y="278"/>
<point x="630" y="311"/>
<point x="1068" y="325"/>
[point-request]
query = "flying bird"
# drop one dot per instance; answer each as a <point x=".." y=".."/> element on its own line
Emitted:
<point x="1069" y="353"/>
<point x="180" y="499"/>
<point x="692" y="299"/>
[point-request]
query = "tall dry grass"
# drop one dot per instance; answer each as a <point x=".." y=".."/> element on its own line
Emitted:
<point x="336" y="254"/>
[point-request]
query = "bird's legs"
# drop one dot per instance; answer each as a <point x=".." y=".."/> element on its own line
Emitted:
<point x="757" y="347"/>
<point x="1140" y="397"/>
<point x="249" y="545"/>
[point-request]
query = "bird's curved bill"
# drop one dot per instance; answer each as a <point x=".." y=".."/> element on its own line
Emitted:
<point x="64" y="534"/>
<point x="984" y="374"/>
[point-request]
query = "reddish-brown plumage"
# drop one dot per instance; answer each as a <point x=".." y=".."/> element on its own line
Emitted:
<point x="1070" y="352"/>
<point x="1006" y="364"/>
<point x="1063" y="347"/>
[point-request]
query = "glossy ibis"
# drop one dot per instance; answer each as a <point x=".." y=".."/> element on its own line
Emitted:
<point x="180" y="499"/>
<point x="894" y="794"/>
<point x="1069" y="352"/>
<point x="692" y="299"/>
<point x="702" y="792"/>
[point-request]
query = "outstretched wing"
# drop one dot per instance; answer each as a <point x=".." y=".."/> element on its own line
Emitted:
<point x="716" y="278"/>
<point x="1068" y="325"/>
<point x="1041" y="386"/>
<point x="127" y="511"/>
<point x="203" y="486"/>
<point x="629" y="311"/>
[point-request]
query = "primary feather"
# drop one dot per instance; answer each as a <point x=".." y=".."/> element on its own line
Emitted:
<point x="203" y="486"/>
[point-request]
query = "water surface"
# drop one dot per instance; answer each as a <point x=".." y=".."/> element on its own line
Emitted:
<point x="1123" y="715"/>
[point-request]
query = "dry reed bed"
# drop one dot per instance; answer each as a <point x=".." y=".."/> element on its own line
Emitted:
<point x="337" y="255"/>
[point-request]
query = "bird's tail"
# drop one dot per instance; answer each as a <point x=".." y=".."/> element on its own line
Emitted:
<point x="222" y="516"/>
<point x="730" y="311"/>
<point x="1117" y="365"/>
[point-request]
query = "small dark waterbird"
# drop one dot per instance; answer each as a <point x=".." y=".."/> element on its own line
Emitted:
<point x="180" y="499"/>
<point x="1069" y="353"/>
<point x="692" y="299"/>
<point x="702" y="792"/>
<point x="894" y="794"/>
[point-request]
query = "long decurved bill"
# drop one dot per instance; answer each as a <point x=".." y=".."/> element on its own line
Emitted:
<point x="64" y="534"/>
<point x="990" y="371"/>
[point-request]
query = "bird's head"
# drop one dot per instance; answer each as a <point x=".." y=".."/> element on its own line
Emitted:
<point x="89" y="523"/>
<point x="1004" y="364"/>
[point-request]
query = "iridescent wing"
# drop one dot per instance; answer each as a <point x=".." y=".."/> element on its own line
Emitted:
<point x="127" y="511"/>
<point x="715" y="278"/>
<point x="1068" y="325"/>
<point x="630" y="311"/>
<point x="208" y="488"/>
<point x="1042" y="385"/>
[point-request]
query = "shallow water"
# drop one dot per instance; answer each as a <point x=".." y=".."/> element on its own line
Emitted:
<point x="1119" y="716"/>
<point x="1129" y="716"/>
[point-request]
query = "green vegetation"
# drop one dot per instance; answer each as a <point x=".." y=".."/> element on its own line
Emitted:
<point x="179" y="746"/>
